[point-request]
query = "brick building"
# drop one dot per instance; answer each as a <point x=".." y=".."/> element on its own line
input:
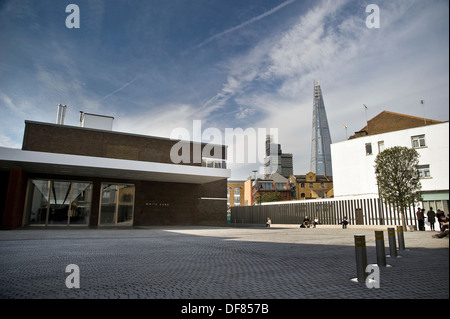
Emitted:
<point x="275" y="183"/>
<point x="388" y="121"/>
<point x="235" y="193"/>
<point x="69" y="175"/>
<point x="311" y="186"/>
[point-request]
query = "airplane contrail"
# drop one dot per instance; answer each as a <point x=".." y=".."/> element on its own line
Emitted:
<point x="271" y="11"/>
<point x="119" y="89"/>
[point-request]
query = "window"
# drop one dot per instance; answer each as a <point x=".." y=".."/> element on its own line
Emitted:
<point x="424" y="171"/>
<point x="266" y="186"/>
<point x="311" y="185"/>
<point x="368" y="148"/>
<point x="237" y="196"/>
<point x="59" y="202"/>
<point x="418" y="141"/>
<point x="280" y="186"/>
<point x="213" y="162"/>
<point x="380" y="146"/>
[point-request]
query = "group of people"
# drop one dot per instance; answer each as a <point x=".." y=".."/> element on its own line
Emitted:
<point x="307" y="222"/>
<point x="431" y="216"/>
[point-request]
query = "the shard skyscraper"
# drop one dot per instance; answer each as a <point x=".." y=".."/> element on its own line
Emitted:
<point x="321" y="139"/>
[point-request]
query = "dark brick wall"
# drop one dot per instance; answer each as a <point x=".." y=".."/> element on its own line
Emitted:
<point x="180" y="204"/>
<point x="165" y="203"/>
<point x="212" y="210"/>
<point x="44" y="137"/>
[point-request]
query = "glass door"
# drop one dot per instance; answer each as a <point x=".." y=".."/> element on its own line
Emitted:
<point x="108" y="204"/>
<point x="80" y="207"/>
<point x="59" y="203"/>
<point x="125" y="204"/>
<point x="117" y="205"/>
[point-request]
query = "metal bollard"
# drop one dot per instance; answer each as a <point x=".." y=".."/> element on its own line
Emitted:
<point x="381" y="251"/>
<point x="392" y="244"/>
<point x="361" y="257"/>
<point x="401" y="238"/>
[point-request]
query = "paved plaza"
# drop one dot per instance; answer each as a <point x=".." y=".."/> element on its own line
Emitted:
<point x="281" y="262"/>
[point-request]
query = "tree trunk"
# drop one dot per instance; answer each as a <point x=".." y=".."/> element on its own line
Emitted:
<point x="403" y="220"/>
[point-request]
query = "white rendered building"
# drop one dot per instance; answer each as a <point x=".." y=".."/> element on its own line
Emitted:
<point x="353" y="163"/>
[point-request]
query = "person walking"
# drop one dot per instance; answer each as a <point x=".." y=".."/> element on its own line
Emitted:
<point x="431" y="215"/>
<point x="420" y="219"/>
<point x="268" y="222"/>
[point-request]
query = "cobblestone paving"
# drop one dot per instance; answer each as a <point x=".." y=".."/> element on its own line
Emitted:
<point x="215" y="263"/>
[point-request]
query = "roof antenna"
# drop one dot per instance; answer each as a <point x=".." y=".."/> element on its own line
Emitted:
<point x="422" y="102"/>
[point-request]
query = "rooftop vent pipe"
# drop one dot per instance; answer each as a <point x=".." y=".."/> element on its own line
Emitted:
<point x="61" y="115"/>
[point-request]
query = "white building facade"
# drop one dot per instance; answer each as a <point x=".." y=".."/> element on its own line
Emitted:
<point x="354" y="160"/>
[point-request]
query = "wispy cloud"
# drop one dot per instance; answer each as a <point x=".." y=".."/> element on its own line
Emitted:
<point x="119" y="89"/>
<point x="356" y="65"/>
<point x="243" y="24"/>
<point x="7" y="101"/>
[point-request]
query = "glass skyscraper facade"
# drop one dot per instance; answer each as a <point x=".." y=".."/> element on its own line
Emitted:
<point x="321" y="139"/>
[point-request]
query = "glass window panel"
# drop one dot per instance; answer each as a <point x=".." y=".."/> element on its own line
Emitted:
<point x="418" y="141"/>
<point x="380" y="146"/>
<point x="80" y="207"/>
<point x="38" y="201"/>
<point x="59" y="202"/>
<point x="368" y="148"/>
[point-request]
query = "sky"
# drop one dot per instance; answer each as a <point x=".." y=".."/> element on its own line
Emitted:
<point x="156" y="66"/>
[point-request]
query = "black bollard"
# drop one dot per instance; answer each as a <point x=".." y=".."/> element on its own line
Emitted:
<point x="381" y="251"/>
<point x="392" y="244"/>
<point x="361" y="257"/>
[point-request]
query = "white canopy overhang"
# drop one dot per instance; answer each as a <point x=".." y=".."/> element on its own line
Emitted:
<point x="76" y="165"/>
